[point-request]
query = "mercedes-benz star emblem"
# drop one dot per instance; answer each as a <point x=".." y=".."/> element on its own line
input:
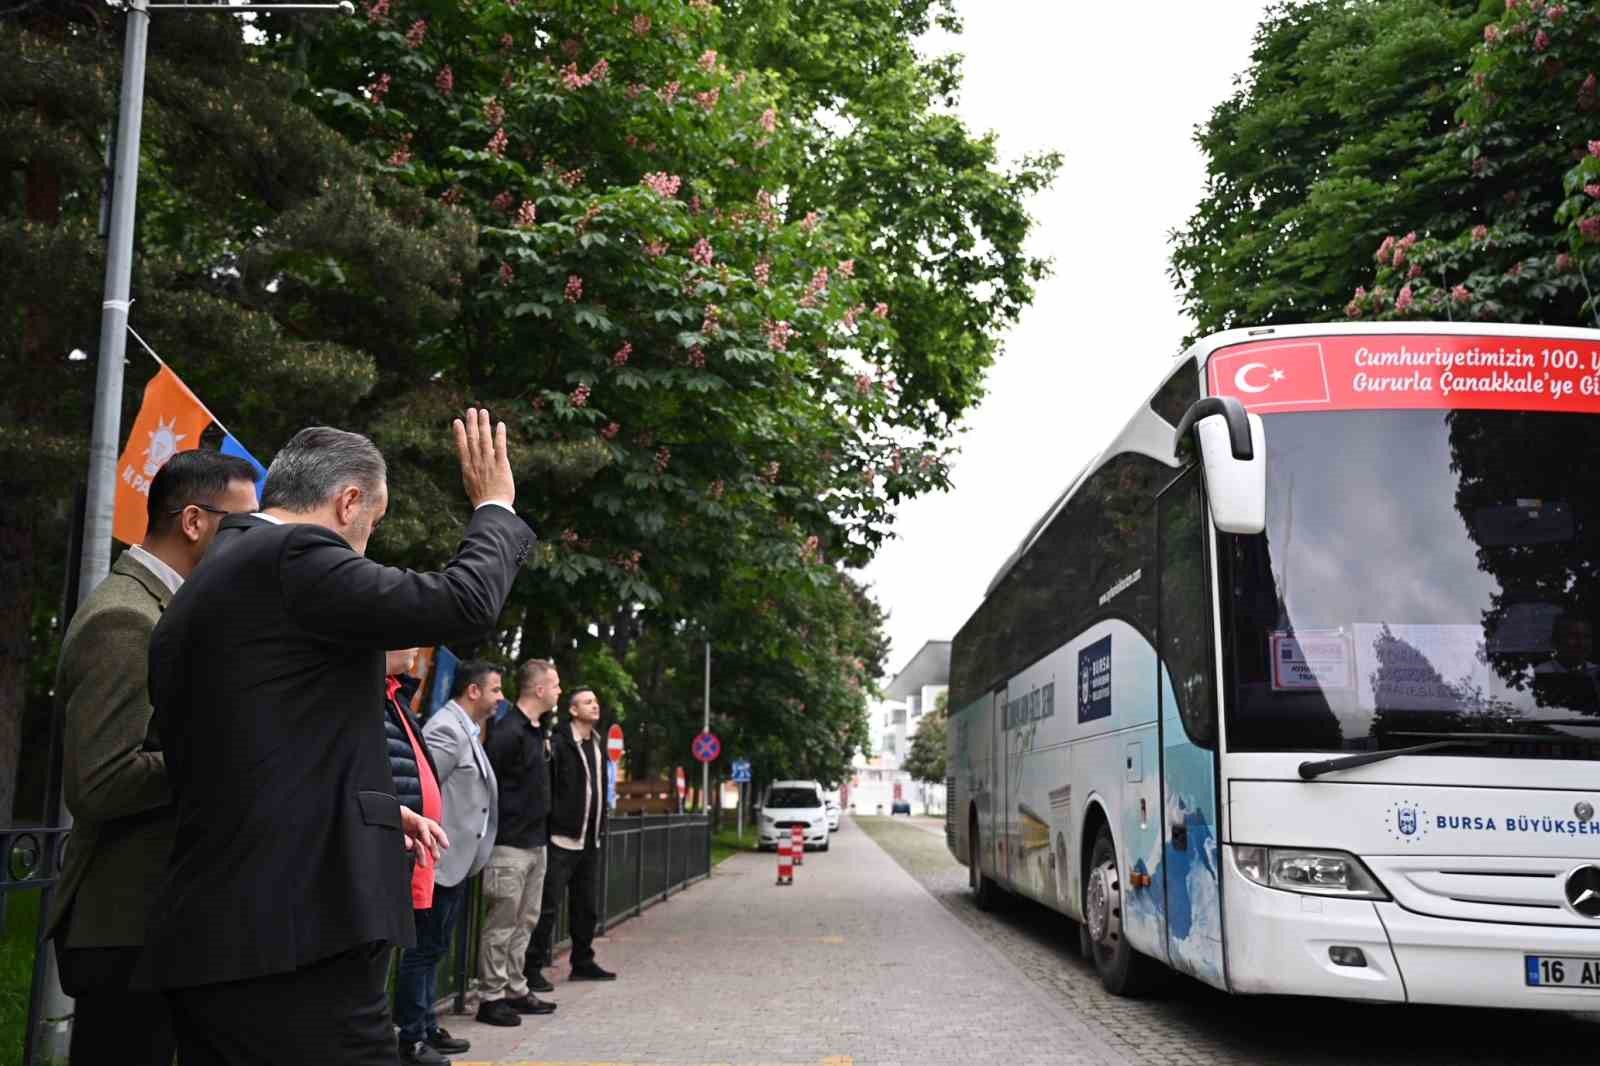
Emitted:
<point x="1583" y="810"/>
<point x="1583" y="891"/>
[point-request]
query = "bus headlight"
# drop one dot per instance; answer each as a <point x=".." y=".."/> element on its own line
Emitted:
<point x="1314" y="872"/>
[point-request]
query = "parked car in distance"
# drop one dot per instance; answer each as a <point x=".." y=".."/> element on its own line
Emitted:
<point x="900" y="807"/>
<point x="833" y="816"/>
<point x="791" y="803"/>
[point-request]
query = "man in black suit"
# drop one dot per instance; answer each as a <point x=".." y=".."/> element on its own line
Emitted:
<point x="288" y="879"/>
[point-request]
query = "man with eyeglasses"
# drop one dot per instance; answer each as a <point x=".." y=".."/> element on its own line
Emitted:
<point x="115" y="775"/>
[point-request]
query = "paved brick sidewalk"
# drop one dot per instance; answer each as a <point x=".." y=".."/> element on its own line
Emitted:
<point x="854" y="965"/>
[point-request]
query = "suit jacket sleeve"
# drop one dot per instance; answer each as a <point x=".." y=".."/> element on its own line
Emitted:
<point x="345" y="597"/>
<point x="107" y="774"/>
<point x="446" y="745"/>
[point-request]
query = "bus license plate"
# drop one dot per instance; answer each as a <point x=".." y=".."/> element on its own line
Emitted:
<point x="1554" y="971"/>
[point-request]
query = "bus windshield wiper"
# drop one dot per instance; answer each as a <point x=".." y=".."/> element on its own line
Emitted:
<point x="1313" y="769"/>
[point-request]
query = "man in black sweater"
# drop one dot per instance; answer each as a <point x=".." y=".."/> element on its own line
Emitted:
<point x="513" y="882"/>
<point x="577" y="822"/>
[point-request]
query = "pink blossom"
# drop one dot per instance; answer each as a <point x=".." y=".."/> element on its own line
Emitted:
<point x="527" y="215"/>
<point x="1593" y="189"/>
<point x="669" y="92"/>
<point x="636" y="90"/>
<point x="769" y="119"/>
<point x="1480" y="233"/>
<point x="1399" y="255"/>
<point x="1415" y="271"/>
<point x="599" y="71"/>
<point x="717" y="489"/>
<point x="506" y="273"/>
<point x="572" y="178"/>
<point x="1557" y="12"/>
<point x="580" y="396"/>
<point x="574" y="289"/>
<point x="763" y="273"/>
<point x="569" y="536"/>
<point x="697" y="357"/>
<point x="417" y="34"/>
<point x="1541" y="41"/>
<point x="664" y="184"/>
<point x="712" y="322"/>
<point x="1461" y="294"/>
<point x="809" y="223"/>
<point x="772" y="471"/>
<point x="863" y="384"/>
<point x="851" y="315"/>
<point x="655" y="249"/>
<point x="377" y="11"/>
<point x="507" y="42"/>
<point x="1588" y="87"/>
<point x="663" y="459"/>
<point x="1352" y="310"/>
<point x="497" y="143"/>
<point x="451" y="196"/>
<point x="1515" y="271"/>
<point x="641" y="25"/>
<point x="1404" y="301"/>
<point x="379" y="89"/>
<point x="1563" y="263"/>
<point x="708" y="61"/>
<point x="1594" y="148"/>
<point x="739" y="79"/>
<point x="702" y="253"/>
<point x="694" y="204"/>
<point x="620" y="356"/>
<point x="1590" y="228"/>
<point x="708" y="99"/>
<point x="1491" y="34"/>
<point x="1385" y="250"/>
<point x="493" y="112"/>
<point x="847" y="267"/>
<point x="611" y="430"/>
<point x="572" y="79"/>
<point x="446" y="81"/>
<point x="570" y="47"/>
<point x="778" y="334"/>
<point x="881" y="310"/>
<point x="402" y="154"/>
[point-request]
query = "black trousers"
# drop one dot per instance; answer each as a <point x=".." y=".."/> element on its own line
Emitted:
<point x="333" y="1012"/>
<point x="575" y="877"/>
<point x="113" y="1024"/>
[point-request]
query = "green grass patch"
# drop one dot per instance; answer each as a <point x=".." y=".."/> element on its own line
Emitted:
<point x="16" y="972"/>
<point x="726" y="842"/>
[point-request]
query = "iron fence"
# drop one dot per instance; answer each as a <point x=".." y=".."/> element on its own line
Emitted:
<point x="32" y="857"/>
<point x="644" y="859"/>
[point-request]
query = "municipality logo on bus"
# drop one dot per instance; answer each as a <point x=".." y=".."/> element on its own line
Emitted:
<point x="1407" y="822"/>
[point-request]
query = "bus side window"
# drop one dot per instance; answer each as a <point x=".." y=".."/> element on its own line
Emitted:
<point x="1185" y="609"/>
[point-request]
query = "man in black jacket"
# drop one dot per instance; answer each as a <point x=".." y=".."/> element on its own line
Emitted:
<point x="513" y="882"/>
<point x="287" y="883"/>
<point x="577" y="822"/>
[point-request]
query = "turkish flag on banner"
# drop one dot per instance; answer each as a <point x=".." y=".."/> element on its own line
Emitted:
<point x="1284" y="376"/>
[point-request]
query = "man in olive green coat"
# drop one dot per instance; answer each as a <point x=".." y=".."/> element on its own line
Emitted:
<point x="114" y="775"/>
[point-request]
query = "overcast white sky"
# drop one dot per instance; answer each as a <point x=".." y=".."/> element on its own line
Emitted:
<point x="1117" y="89"/>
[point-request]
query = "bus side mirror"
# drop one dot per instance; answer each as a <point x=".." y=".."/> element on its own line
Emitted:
<point x="1234" y="454"/>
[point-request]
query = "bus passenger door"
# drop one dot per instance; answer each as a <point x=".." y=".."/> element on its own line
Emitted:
<point x="1188" y="733"/>
<point x="999" y="801"/>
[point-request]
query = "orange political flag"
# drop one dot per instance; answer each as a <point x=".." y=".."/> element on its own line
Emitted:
<point x="170" y="421"/>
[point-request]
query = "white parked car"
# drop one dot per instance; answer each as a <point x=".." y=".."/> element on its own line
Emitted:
<point x="833" y="815"/>
<point x="791" y="803"/>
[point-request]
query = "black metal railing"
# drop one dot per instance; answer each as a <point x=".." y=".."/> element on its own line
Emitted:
<point x="32" y="862"/>
<point x="645" y="858"/>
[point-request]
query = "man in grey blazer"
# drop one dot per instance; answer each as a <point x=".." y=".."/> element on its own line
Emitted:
<point x="471" y="816"/>
<point x="115" y="776"/>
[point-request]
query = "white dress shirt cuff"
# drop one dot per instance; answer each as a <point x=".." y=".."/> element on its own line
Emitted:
<point x="496" y="503"/>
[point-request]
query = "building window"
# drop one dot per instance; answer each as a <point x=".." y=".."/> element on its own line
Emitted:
<point x="914" y="706"/>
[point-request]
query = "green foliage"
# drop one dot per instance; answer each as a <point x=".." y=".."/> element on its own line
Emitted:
<point x="926" y="760"/>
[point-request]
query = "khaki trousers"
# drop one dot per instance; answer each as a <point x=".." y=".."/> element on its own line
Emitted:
<point x="513" y="884"/>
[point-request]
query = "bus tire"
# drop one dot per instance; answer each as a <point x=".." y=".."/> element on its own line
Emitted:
<point x="1123" y="971"/>
<point x="984" y="891"/>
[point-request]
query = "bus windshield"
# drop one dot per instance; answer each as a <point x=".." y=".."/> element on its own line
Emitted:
<point x="1425" y="575"/>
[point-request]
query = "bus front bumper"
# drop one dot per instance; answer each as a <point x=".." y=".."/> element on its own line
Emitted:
<point x="1280" y="943"/>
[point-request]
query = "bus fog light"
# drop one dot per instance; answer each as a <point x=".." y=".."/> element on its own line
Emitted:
<point x="1313" y="872"/>
<point x="1343" y="956"/>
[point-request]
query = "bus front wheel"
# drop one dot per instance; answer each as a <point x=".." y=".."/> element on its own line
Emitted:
<point x="983" y="889"/>
<point x="1123" y="971"/>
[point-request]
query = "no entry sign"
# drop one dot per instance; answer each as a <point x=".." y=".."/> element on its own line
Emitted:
<point x="706" y="747"/>
<point x="614" y="743"/>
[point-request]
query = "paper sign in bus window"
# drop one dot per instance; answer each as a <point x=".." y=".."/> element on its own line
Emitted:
<point x="1410" y="667"/>
<point x="1311" y="659"/>
<point x="1094" y="681"/>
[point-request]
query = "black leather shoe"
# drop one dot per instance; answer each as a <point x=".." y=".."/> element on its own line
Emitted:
<point x="441" y="1040"/>
<point x="498" y="1012"/>
<point x="539" y="982"/>
<point x="591" y="972"/>
<point x="530" y="1004"/>
<point x="419" y="1053"/>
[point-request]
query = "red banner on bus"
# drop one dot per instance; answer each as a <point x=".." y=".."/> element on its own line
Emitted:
<point x="1358" y="372"/>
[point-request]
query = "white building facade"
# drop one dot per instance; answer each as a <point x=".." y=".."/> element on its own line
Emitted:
<point x="877" y="781"/>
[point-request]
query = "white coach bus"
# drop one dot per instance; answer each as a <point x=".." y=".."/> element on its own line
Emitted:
<point x="1293" y="690"/>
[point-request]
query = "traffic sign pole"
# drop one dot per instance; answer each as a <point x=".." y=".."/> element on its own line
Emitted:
<point x="705" y="767"/>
